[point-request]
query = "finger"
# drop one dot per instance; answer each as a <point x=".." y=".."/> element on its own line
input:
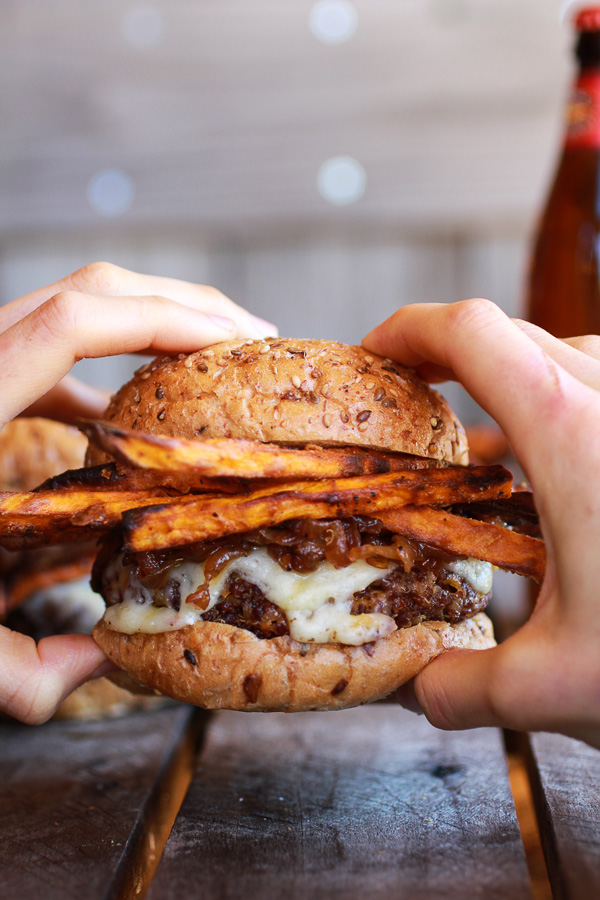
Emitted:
<point x="586" y="343"/>
<point x="69" y="401"/>
<point x="387" y="340"/>
<point x="536" y="402"/>
<point x="453" y="690"/>
<point x="39" y="350"/>
<point x="105" y="279"/>
<point x="476" y="688"/>
<point x="580" y="356"/>
<point x="35" y="679"/>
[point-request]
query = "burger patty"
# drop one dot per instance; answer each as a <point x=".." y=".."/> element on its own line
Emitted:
<point x="407" y="597"/>
<point x="420" y="595"/>
<point x="245" y="606"/>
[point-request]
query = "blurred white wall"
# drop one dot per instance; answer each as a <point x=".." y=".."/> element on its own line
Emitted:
<point x="191" y="139"/>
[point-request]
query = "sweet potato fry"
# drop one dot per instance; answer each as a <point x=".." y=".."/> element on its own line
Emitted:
<point x="39" y="519"/>
<point x="88" y="478"/>
<point x="230" y="457"/>
<point x="518" y="512"/>
<point x="469" y="537"/>
<point x="202" y="519"/>
<point x="113" y="477"/>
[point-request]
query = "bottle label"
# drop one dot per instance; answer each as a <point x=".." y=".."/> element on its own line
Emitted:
<point x="583" y="112"/>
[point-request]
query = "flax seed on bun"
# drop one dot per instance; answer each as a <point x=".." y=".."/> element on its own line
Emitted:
<point x="291" y="392"/>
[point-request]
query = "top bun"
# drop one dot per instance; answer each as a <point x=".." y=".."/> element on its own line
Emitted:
<point x="287" y="391"/>
<point x="32" y="450"/>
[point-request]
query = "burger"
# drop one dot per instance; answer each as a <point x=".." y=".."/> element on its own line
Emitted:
<point x="46" y="591"/>
<point x="301" y="612"/>
<point x="32" y="450"/>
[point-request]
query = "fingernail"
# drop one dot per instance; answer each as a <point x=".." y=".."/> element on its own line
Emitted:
<point x="528" y="328"/>
<point x="266" y="329"/>
<point x="409" y="699"/>
<point x="222" y="322"/>
<point x="368" y="343"/>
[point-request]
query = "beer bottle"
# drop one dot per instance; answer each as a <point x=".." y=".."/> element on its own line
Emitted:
<point x="564" y="291"/>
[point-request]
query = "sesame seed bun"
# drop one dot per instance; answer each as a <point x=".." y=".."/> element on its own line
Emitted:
<point x="290" y="392"/>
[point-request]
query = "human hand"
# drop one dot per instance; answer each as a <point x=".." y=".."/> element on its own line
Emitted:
<point x="103" y="310"/>
<point x="545" y="394"/>
<point x="100" y="310"/>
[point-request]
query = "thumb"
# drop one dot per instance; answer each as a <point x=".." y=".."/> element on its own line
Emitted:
<point x="520" y="684"/>
<point x="35" y="679"/>
<point x="456" y="690"/>
<point x="70" y="400"/>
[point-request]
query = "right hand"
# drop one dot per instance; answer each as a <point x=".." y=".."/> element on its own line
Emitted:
<point x="545" y="395"/>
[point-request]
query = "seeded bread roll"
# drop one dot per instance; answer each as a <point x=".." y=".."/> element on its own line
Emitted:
<point x="32" y="450"/>
<point x="218" y="666"/>
<point x="289" y="392"/>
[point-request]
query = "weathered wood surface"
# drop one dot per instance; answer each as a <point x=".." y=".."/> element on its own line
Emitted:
<point x="565" y="778"/>
<point x="76" y="798"/>
<point x="365" y="803"/>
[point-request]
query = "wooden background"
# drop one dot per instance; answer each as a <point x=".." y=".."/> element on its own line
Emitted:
<point x="219" y="115"/>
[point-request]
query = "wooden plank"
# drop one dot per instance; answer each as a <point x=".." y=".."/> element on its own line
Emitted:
<point x="80" y="802"/>
<point x="370" y="802"/>
<point x="565" y="777"/>
<point x="530" y="833"/>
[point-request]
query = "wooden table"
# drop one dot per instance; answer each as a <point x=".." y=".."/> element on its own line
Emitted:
<point x="367" y="803"/>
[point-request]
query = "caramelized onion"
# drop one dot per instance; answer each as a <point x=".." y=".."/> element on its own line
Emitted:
<point x="152" y="569"/>
<point x="214" y="563"/>
<point x="299" y="545"/>
<point x="401" y="549"/>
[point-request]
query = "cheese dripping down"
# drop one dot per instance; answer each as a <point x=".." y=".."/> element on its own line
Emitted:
<point x="317" y="605"/>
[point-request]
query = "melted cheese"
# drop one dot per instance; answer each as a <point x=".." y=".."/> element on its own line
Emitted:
<point x="317" y="605"/>
<point x="293" y="592"/>
<point x="130" y="617"/>
<point x="476" y="572"/>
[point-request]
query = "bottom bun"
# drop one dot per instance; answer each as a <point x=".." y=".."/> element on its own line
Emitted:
<point x="219" y="666"/>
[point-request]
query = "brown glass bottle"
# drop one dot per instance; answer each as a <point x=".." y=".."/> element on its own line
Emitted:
<point x="563" y="294"/>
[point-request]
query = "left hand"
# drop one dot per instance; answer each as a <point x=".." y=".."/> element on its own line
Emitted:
<point x="103" y="310"/>
<point x="100" y="310"/>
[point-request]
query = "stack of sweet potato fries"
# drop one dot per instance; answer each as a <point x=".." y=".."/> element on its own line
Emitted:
<point x="169" y="492"/>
